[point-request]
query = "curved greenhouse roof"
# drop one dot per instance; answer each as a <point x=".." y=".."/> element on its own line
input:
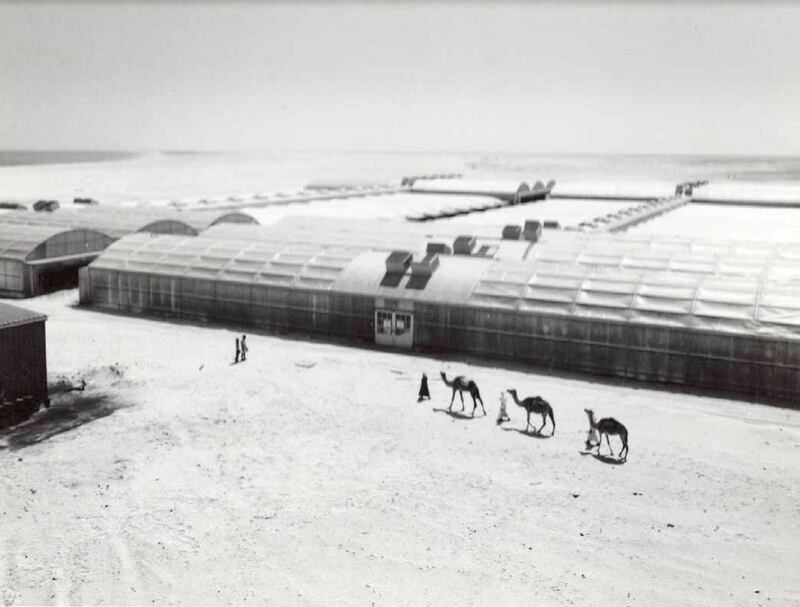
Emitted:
<point x="38" y="242"/>
<point x="252" y="262"/>
<point x="118" y="222"/>
<point x="729" y="288"/>
<point x="373" y="235"/>
<point x="614" y="189"/>
<point x="499" y="188"/>
<point x="328" y="234"/>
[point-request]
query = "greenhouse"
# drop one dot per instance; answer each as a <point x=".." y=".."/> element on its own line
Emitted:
<point x="508" y="190"/>
<point x="118" y="222"/>
<point x="718" y="316"/>
<point x="40" y="259"/>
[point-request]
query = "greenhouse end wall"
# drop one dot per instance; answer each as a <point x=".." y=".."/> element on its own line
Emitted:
<point x="757" y="367"/>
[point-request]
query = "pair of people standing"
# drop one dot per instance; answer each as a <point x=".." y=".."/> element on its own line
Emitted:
<point x="241" y="349"/>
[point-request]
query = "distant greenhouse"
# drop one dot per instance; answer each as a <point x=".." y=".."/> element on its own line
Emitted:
<point x="508" y="190"/>
<point x="119" y="222"/>
<point x="722" y="316"/>
<point x="39" y="258"/>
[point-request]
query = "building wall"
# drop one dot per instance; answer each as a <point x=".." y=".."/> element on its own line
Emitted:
<point x="265" y="306"/>
<point x="756" y="367"/>
<point x="23" y="362"/>
<point x="11" y="278"/>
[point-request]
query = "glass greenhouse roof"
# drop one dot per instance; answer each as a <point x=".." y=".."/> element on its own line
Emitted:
<point x="118" y="222"/>
<point x="748" y="288"/>
<point x="253" y="262"/>
<point x="25" y="244"/>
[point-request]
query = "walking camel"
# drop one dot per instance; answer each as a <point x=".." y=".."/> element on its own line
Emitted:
<point x="535" y="404"/>
<point x="462" y="384"/>
<point x="608" y="425"/>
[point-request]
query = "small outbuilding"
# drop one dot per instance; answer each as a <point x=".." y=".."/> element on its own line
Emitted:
<point x="23" y="363"/>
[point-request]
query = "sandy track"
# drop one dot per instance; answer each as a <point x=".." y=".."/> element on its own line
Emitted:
<point x="310" y="475"/>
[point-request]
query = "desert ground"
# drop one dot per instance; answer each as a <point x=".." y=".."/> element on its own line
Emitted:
<point x="310" y="475"/>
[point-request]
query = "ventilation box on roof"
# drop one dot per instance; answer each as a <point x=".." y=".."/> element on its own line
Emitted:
<point x="532" y="231"/>
<point x="426" y="266"/>
<point x="438" y="247"/>
<point x="397" y="262"/>
<point x="512" y="232"/>
<point x="421" y="271"/>
<point x="464" y="244"/>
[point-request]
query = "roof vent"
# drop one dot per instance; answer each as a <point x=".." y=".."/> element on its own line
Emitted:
<point x="396" y="265"/>
<point x="512" y="232"/>
<point x="532" y="230"/>
<point x="421" y="271"/>
<point x="438" y="247"/>
<point x="397" y="262"/>
<point x="464" y="244"/>
<point x="426" y="266"/>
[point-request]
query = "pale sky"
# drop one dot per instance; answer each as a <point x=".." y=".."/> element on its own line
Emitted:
<point x="582" y="77"/>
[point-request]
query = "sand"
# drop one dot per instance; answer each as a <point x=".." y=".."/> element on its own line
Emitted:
<point x="309" y="475"/>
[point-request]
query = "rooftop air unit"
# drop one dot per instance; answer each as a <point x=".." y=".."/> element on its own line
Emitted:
<point x="397" y="262"/>
<point x="426" y="266"/>
<point x="552" y="225"/>
<point x="532" y="230"/>
<point x="438" y="247"/>
<point x="464" y="244"/>
<point x="512" y="232"/>
<point x="396" y="265"/>
<point x="421" y="271"/>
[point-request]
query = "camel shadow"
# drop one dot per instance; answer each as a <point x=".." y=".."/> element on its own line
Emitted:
<point x="457" y="414"/>
<point x="528" y="434"/>
<point x="606" y="459"/>
<point x="59" y="418"/>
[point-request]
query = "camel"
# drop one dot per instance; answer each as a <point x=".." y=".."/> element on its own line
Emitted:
<point x="462" y="384"/>
<point x="608" y="425"/>
<point x="535" y="404"/>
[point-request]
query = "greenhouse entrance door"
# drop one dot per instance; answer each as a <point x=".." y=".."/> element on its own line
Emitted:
<point x="394" y="328"/>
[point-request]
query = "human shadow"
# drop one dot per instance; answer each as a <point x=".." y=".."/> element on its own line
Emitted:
<point x="612" y="460"/>
<point x="530" y="434"/>
<point x="61" y="417"/>
<point x="457" y="414"/>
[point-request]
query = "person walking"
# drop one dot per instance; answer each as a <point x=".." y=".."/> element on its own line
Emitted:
<point x="244" y="348"/>
<point x="423" y="389"/>
<point x="502" y="415"/>
<point x="238" y="352"/>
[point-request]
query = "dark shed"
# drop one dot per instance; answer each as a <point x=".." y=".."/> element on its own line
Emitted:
<point x="23" y="363"/>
